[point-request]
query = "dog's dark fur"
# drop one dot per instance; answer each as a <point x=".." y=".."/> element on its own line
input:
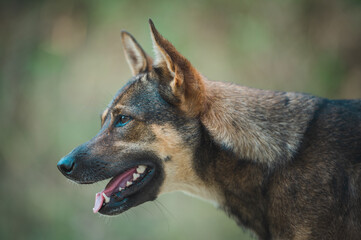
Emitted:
<point x="286" y="165"/>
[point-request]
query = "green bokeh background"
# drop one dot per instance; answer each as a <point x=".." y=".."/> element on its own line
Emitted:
<point x="62" y="61"/>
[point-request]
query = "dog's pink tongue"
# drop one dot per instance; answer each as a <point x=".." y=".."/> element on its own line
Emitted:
<point x="113" y="186"/>
<point x="99" y="199"/>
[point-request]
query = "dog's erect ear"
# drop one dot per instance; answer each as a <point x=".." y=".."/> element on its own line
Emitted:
<point x="184" y="81"/>
<point x="137" y="59"/>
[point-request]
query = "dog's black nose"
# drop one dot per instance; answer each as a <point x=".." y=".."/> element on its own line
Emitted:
<point x="66" y="164"/>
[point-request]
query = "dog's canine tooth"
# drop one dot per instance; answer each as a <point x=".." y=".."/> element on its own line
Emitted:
<point x="107" y="199"/>
<point x="141" y="169"/>
<point x="135" y="176"/>
<point x="120" y="189"/>
<point x="129" y="183"/>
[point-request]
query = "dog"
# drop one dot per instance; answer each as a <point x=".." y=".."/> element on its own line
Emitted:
<point x="285" y="165"/>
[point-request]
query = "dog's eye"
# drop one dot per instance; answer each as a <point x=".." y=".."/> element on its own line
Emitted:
<point x="123" y="120"/>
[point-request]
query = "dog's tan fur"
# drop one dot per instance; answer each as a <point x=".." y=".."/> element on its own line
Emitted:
<point x="103" y="116"/>
<point x="179" y="171"/>
<point x="243" y="120"/>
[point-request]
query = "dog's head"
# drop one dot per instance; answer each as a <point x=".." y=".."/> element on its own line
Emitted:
<point x="149" y="134"/>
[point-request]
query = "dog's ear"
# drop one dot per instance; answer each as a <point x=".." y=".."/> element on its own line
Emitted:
<point x="136" y="57"/>
<point x="181" y="83"/>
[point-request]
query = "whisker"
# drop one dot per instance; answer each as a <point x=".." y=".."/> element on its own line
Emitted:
<point x="161" y="207"/>
<point x="159" y="203"/>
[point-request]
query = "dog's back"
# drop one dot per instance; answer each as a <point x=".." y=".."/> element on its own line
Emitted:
<point x="319" y="192"/>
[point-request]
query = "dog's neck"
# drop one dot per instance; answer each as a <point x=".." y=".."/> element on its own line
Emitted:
<point x="258" y="125"/>
<point x="238" y="186"/>
<point x="249" y="132"/>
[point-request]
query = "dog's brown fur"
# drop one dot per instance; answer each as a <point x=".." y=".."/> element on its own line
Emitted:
<point x="286" y="165"/>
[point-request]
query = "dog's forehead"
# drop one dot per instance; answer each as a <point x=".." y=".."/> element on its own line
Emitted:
<point x="140" y="90"/>
<point x="127" y="90"/>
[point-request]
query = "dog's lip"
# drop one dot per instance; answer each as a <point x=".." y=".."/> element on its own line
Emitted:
<point x="112" y="194"/>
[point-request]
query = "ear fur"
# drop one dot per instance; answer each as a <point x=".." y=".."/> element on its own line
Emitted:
<point x="136" y="57"/>
<point x="185" y="83"/>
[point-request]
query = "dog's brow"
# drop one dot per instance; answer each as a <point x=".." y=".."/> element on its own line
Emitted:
<point x="128" y="111"/>
<point x="121" y="109"/>
<point x="104" y="115"/>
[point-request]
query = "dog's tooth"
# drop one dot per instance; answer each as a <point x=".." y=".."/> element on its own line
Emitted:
<point x="106" y="198"/>
<point x="135" y="176"/>
<point x="129" y="183"/>
<point x="141" y="168"/>
<point x="120" y="189"/>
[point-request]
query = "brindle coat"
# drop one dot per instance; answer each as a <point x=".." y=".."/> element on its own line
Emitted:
<point x="286" y="165"/>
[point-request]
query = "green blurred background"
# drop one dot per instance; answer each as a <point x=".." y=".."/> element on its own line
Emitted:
<point x="62" y="61"/>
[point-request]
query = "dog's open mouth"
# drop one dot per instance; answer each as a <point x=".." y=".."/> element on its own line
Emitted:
<point x="121" y="188"/>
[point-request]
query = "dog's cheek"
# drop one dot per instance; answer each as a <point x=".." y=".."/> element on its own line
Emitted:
<point x="176" y="156"/>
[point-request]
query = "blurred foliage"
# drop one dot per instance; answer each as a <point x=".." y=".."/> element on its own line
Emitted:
<point x="61" y="62"/>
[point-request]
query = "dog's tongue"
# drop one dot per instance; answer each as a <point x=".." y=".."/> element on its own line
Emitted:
<point x="113" y="186"/>
<point x="99" y="199"/>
